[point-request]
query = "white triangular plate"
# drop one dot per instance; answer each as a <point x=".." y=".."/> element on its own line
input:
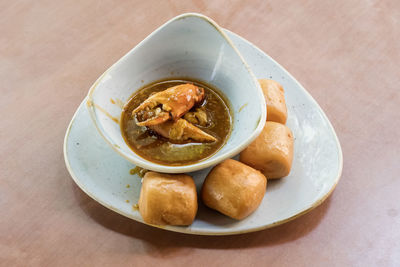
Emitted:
<point x="317" y="163"/>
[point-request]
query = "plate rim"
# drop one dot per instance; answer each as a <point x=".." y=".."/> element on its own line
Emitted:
<point x="188" y="230"/>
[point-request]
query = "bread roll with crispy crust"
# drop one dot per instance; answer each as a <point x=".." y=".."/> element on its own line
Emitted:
<point x="168" y="199"/>
<point x="275" y="99"/>
<point x="234" y="189"/>
<point x="271" y="152"/>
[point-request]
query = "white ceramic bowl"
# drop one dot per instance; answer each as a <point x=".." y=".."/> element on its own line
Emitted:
<point x="192" y="46"/>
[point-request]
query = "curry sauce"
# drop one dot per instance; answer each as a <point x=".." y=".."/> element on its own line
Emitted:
<point x="156" y="148"/>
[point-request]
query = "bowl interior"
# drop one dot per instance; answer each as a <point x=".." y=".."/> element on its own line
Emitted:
<point x="192" y="47"/>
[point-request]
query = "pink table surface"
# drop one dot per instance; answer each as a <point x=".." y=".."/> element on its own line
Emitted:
<point x="347" y="55"/>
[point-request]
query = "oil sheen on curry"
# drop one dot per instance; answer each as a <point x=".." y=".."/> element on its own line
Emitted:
<point x="176" y="122"/>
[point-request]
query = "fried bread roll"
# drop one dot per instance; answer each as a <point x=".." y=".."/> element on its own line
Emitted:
<point x="271" y="152"/>
<point x="275" y="99"/>
<point x="234" y="189"/>
<point x="168" y="199"/>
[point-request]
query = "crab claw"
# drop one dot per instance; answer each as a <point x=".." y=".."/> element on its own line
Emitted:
<point x="182" y="130"/>
<point x="172" y="103"/>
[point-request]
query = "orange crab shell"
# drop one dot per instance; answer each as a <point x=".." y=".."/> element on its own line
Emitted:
<point x="176" y="100"/>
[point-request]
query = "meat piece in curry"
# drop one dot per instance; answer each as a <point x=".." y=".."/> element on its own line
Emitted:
<point x="199" y="116"/>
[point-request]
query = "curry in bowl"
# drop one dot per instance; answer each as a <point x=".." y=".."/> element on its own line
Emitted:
<point x="176" y="122"/>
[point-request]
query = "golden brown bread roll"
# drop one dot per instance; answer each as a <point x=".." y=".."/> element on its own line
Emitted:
<point x="234" y="189"/>
<point x="168" y="199"/>
<point x="275" y="99"/>
<point x="271" y="152"/>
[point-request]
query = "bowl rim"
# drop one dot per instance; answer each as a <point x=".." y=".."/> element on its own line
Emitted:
<point x="212" y="160"/>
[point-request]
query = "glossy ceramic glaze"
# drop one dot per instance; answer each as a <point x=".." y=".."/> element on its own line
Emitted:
<point x="188" y="46"/>
<point x="317" y="163"/>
